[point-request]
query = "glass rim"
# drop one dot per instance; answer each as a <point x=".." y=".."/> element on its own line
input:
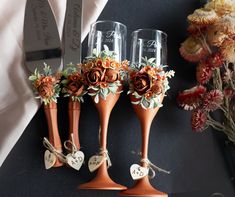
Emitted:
<point x="108" y="21"/>
<point x="148" y="30"/>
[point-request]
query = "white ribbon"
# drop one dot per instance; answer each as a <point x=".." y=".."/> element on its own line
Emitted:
<point x="152" y="167"/>
<point x="52" y="149"/>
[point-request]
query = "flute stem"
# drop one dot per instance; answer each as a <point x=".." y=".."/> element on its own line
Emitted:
<point x="74" y="115"/>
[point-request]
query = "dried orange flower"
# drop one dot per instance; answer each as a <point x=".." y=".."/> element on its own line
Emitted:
<point x="215" y="36"/>
<point x="227" y="24"/>
<point x="228" y="50"/>
<point x="196" y="30"/>
<point x="192" y="49"/>
<point x="221" y="7"/>
<point x="203" y="17"/>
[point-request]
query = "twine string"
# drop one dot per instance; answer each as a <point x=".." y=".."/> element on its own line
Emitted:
<point x="153" y="168"/>
<point x="105" y="153"/>
<point x="70" y="145"/>
<point x="52" y="149"/>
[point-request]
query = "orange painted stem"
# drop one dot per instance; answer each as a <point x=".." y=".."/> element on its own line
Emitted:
<point x="142" y="187"/>
<point x="74" y="116"/>
<point x="54" y="138"/>
<point x="102" y="180"/>
<point x="104" y="108"/>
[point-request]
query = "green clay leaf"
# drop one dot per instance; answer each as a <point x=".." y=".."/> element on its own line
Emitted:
<point x="96" y="99"/>
<point x="135" y="102"/>
<point x="151" y="60"/>
<point x="32" y="78"/>
<point x="65" y="81"/>
<point x="106" y="48"/>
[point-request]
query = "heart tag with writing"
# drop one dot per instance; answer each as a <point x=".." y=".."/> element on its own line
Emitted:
<point x="49" y="159"/>
<point x="75" y="160"/>
<point x="138" y="172"/>
<point x="95" y="162"/>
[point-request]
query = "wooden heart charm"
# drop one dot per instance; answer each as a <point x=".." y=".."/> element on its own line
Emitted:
<point x="95" y="162"/>
<point x="138" y="172"/>
<point x="49" y="159"/>
<point x="75" y="160"/>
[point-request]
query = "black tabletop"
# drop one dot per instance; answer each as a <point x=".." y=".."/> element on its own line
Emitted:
<point x="196" y="161"/>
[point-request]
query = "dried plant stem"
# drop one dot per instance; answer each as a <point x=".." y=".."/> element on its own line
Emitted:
<point x="204" y="43"/>
<point x="218" y="126"/>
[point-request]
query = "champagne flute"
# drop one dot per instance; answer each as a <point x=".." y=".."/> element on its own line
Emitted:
<point x="148" y="84"/>
<point x="106" y="50"/>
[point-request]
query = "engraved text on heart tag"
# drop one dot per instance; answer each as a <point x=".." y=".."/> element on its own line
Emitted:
<point x="75" y="160"/>
<point x="49" y="159"/>
<point x="138" y="172"/>
<point x="95" y="162"/>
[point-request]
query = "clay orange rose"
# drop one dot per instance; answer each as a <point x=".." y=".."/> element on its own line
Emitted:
<point x="74" y="77"/>
<point x="99" y="62"/>
<point x="48" y="79"/>
<point x="46" y="90"/>
<point x="94" y="76"/>
<point x="111" y="75"/>
<point x="106" y="63"/>
<point x="149" y="69"/>
<point x="141" y="83"/>
<point x="157" y="87"/>
<point x="42" y="80"/>
<point x="75" y="88"/>
<point x="115" y="65"/>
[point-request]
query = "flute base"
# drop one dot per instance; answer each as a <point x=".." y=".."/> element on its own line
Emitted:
<point x="102" y="181"/>
<point x="143" y="188"/>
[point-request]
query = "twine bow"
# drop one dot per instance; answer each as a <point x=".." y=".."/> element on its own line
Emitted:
<point x="105" y="153"/>
<point x="70" y="145"/>
<point x="152" y="167"/>
<point x="52" y="149"/>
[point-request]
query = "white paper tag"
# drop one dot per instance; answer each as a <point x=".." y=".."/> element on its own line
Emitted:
<point x="138" y="172"/>
<point x="75" y="160"/>
<point x="95" y="162"/>
<point x="49" y="159"/>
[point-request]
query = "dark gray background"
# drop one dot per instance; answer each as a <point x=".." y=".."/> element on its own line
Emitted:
<point x="195" y="160"/>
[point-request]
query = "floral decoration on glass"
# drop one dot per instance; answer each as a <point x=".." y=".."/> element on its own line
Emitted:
<point x="73" y="83"/>
<point x="147" y="82"/>
<point x="45" y="85"/>
<point x="103" y="74"/>
<point x="211" y="43"/>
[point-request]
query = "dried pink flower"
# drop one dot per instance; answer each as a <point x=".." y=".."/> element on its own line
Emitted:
<point x="190" y="99"/>
<point x="203" y="73"/>
<point x="212" y="100"/>
<point x="229" y="93"/>
<point x="228" y="75"/>
<point x="215" y="60"/>
<point x="198" y="120"/>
